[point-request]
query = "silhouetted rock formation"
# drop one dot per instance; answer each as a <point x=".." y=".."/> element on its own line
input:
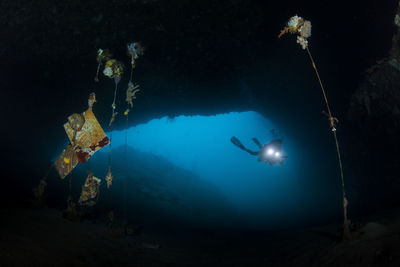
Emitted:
<point x="375" y="116"/>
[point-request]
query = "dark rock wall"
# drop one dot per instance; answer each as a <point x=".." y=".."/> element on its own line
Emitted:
<point x="374" y="114"/>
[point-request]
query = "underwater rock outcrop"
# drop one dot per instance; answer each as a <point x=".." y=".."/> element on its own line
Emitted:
<point x="157" y="192"/>
<point x="374" y="114"/>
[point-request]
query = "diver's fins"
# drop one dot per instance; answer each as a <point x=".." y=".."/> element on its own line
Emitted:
<point x="237" y="143"/>
<point x="255" y="140"/>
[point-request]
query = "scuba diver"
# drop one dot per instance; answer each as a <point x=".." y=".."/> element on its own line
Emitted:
<point x="270" y="153"/>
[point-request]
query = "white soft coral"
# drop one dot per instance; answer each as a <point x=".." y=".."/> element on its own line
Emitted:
<point x="300" y="26"/>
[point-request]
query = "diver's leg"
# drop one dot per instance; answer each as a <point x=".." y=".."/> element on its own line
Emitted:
<point x="236" y="142"/>
<point x="255" y="140"/>
<point x="254" y="153"/>
<point x="239" y="144"/>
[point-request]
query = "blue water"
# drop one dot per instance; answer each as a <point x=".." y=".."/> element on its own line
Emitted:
<point x="201" y="144"/>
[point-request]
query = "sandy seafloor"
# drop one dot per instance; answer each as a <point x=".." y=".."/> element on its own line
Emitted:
<point x="42" y="237"/>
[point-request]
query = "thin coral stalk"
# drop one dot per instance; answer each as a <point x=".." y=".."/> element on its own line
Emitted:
<point x="302" y="28"/>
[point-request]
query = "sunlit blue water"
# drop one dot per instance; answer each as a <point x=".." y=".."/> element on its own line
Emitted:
<point x="201" y="144"/>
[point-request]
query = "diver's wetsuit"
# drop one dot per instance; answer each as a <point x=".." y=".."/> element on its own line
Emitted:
<point x="275" y="144"/>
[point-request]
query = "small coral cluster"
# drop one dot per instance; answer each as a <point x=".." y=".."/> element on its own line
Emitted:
<point x="109" y="179"/>
<point x="90" y="191"/>
<point x="39" y="190"/>
<point x="300" y="26"/>
<point x="113" y="69"/>
<point x="134" y="51"/>
<point x="102" y="57"/>
<point x="130" y="95"/>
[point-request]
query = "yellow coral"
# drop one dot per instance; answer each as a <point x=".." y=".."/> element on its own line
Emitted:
<point x="113" y="68"/>
<point x="109" y="179"/>
<point x="109" y="63"/>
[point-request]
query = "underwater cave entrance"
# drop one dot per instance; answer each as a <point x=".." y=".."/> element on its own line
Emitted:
<point x="187" y="170"/>
<point x="201" y="145"/>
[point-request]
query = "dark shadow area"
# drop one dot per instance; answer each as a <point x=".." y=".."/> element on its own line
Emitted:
<point x="149" y="191"/>
<point x="159" y="193"/>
